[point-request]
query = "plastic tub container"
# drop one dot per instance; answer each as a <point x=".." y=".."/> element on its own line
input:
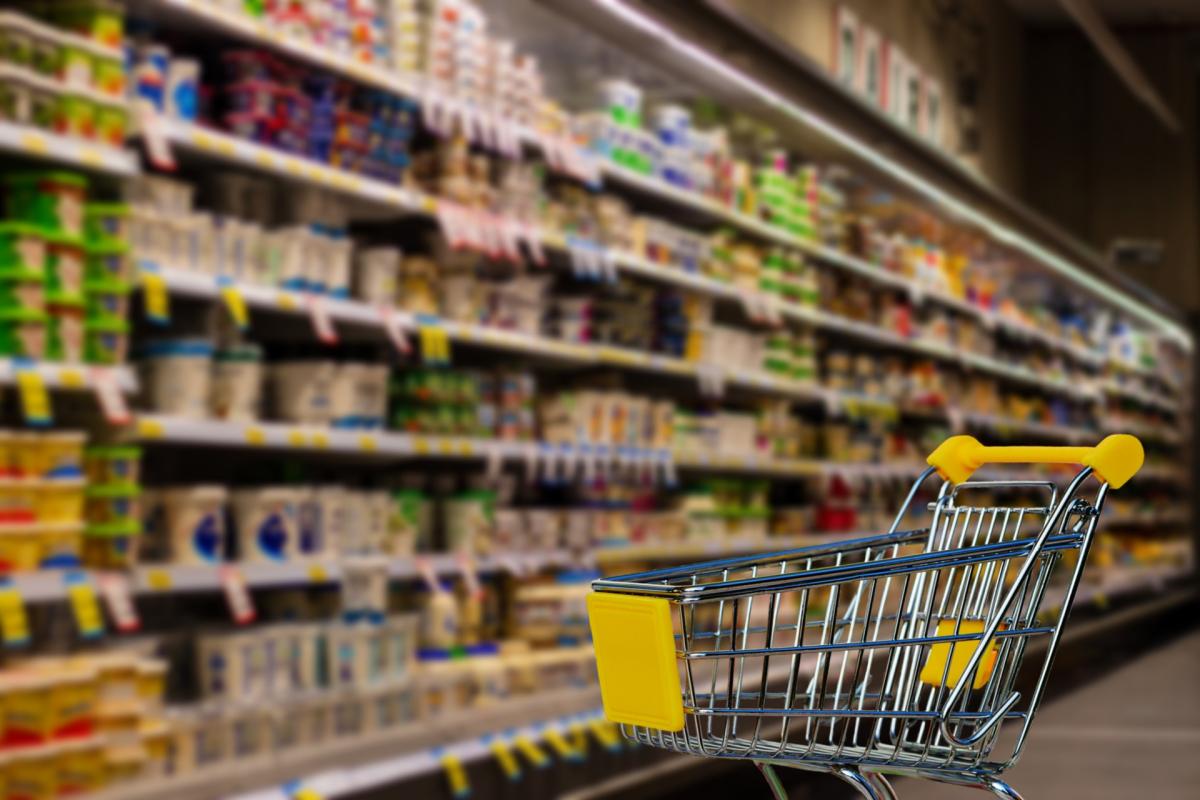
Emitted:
<point x="22" y="289"/>
<point x="266" y="523"/>
<point x="111" y="545"/>
<point x="51" y="200"/>
<point x="378" y="275"/>
<point x="112" y="124"/>
<point x="124" y="763"/>
<point x="195" y="523"/>
<point x="114" y="504"/>
<point x="66" y="334"/>
<point x="113" y="464"/>
<point x="109" y="264"/>
<point x="33" y="774"/>
<point x="237" y="383"/>
<point x="23" y="333"/>
<point x="20" y="547"/>
<point x="467" y="520"/>
<point x="107" y="299"/>
<point x="65" y="260"/>
<point x="151" y="682"/>
<point x="59" y="502"/>
<point x="22" y="248"/>
<point x="75" y="116"/>
<point x="176" y="375"/>
<point x="53" y="455"/>
<point x="108" y="76"/>
<point x="302" y="391"/>
<point x="106" y="342"/>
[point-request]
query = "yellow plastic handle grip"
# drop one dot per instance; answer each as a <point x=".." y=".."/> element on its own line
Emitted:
<point x="1115" y="460"/>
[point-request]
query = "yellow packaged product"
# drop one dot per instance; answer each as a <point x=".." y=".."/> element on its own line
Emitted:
<point x="119" y="721"/>
<point x="17" y="501"/>
<point x="20" y="548"/>
<point x="155" y="736"/>
<point x="4" y="760"/>
<point x="61" y="545"/>
<point x="80" y="767"/>
<point x="49" y="700"/>
<point x="28" y="719"/>
<point x="59" y="501"/>
<point x="124" y="763"/>
<point x="151" y="682"/>
<point x="55" y="455"/>
<point x="117" y="671"/>
<point x="8" y="455"/>
<point x="33" y="774"/>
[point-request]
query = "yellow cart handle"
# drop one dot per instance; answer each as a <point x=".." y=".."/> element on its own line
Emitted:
<point x="1115" y="460"/>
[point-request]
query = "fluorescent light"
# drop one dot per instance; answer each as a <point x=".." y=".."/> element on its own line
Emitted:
<point x="996" y="230"/>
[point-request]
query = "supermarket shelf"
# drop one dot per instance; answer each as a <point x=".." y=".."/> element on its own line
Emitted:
<point x="35" y="143"/>
<point x="1141" y="396"/>
<point x="70" y="377"/>
<point x="376" y="759"/>
<point x="47" y="586"/>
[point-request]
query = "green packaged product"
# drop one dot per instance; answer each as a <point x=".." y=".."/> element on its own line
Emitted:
<point x="107" y="299"/>
<point x="52" y="201"/>
<point x="106" y="224"/>
<point x="22" y="333"/>
<point x="110" y="263"/>
<point x="22" y="288"/>
<point x="65" y="260"/>
<point x="22" y="247"/>
<point x="106" y="341"/>
<point x="66" y="332"/>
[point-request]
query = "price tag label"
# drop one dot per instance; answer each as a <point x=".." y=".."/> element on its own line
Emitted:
<point x="114" y="588"/>
<point x="456" y="776"/>
<point x="506" y="759"/>
<point x="158" y="579"/>
<point x="84" y="607"/>
<point x="560" y="745"/>
<point x="109" y="396"/>
<point x="71" y="378"/>
<point x="367" y="443"/>
<point x="35" y="400"/>
<point x="237" y="595"/>
<point x="154" y="135"/>
<point x="14" y="623"/>
<point x="234" y="302"/>
<point x="605" y="733"/>
<point x="579" y="740"/>
<point x="317" y="573"/>
<point x="435" y="344"/>
<point x="394" y="329"/>
<point x="318" y="312"/>
<point x="531" y="751"/>
<point x="155" y="298"/>
<point x="255" y="435"/>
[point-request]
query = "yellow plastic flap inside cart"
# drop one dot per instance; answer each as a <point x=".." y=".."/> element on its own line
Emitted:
<point x="635" y="659"/>
<point x="959" y="654"/>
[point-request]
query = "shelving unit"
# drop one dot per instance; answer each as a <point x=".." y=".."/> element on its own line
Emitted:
<point x="1085" y="377"/>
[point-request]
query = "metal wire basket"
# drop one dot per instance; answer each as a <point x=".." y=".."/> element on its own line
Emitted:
<point x="897" y="653"/>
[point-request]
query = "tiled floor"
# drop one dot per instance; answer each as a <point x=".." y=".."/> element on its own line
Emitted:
<point x="1132" y="735"/>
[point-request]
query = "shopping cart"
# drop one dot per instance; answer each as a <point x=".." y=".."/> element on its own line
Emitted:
<point x="893" y="654"/>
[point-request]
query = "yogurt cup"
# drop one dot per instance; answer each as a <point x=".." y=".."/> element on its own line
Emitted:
<point x="22" y="289"/>
<point x="114" y="504"/>
<point x="176" y="376"/>
<point x="266" y="524"/>
<point x="120" y="464"/>
<point x="53" y="455"/>
<point x="23" y="333"/>
<point x="59" y="502"/>
<point x="378" y="275"/>
<point x="66" y="332"/>
<point x="237" y="383"/>
<point x="61" y="546"/>
<point x="20" y="547"/>
<point x="109" y="264"/>
<point x="106" y="341"/>
<point x="302" y="391"/>
<point x="22" y="247"/>
<point x="107" y="299"/>
<point x="51" y="200"/>
<point x="111" y="545"/>
<point x="194" y="517"/>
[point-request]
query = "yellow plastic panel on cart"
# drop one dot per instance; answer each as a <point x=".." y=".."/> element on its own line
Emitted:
<point x="635" y="659"/>
<point x="959" y="654"/>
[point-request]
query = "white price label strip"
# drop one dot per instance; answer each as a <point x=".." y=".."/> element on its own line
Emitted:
<point x="118" y="598"/>
<point x="318" y="312"/>
<point x="109" y="396"/>
<point x="154" y="135"/>
<point x="395" y="330"/>
<point x="237" y="596"/>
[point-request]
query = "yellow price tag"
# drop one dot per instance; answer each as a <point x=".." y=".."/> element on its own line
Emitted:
<point x="84" y="607"/>
<point x="236" y="304"/>
<point x="368" y="443"/>
<point x="317" y="573"/>
<point x="34" y="143"/>
<point x="508" y="762"/>
<point x="605" y="733"/>
<point x="35" y="400"/>
<point x="256" y="435"/>
<point x="579" y="739"/>
<point x="150" y="429"/>
<point x="429" y="204"/>
<point x="560" y="745"/>
<point x="91" y="157"/>
<point x="421" y="447"/>
<point x="307" y="794"/>
<point x="446" y="447"/>
<point x="531" y="751"/>
<point x="14" y="624"/>
<point x="287" y="301"/>
<point x="466" y="448"/>
<point x="264" y="159"/>
<point x="296" y="438"/>
<point x="70" y="378"/>
<point x="456" y="776"/>
<point x="435" y="344"/>
<point x="155" y="297"/>
<point x="158" y="579"/>
<point x="320" y="439"/>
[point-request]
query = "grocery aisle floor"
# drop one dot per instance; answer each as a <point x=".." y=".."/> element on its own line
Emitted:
<point x="1133" y="733"/>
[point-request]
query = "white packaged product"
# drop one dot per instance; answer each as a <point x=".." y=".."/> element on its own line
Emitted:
<point x="266" y="521"/>
<point x="176" y="376"/>
<point x="378" y="274"/>
<point x="359" y="396"/>
<point x="310" y="527"/>
<point x="302" y="391"/>
<point x="237" y="383"/>
<point x="194" y="521"/>
<point x="331" y="504"/>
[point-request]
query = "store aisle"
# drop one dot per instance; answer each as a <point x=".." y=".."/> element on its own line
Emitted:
<point x="1134" y="733"/>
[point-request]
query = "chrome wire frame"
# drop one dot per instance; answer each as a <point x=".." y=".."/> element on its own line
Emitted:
<point x="817" y="658"/>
